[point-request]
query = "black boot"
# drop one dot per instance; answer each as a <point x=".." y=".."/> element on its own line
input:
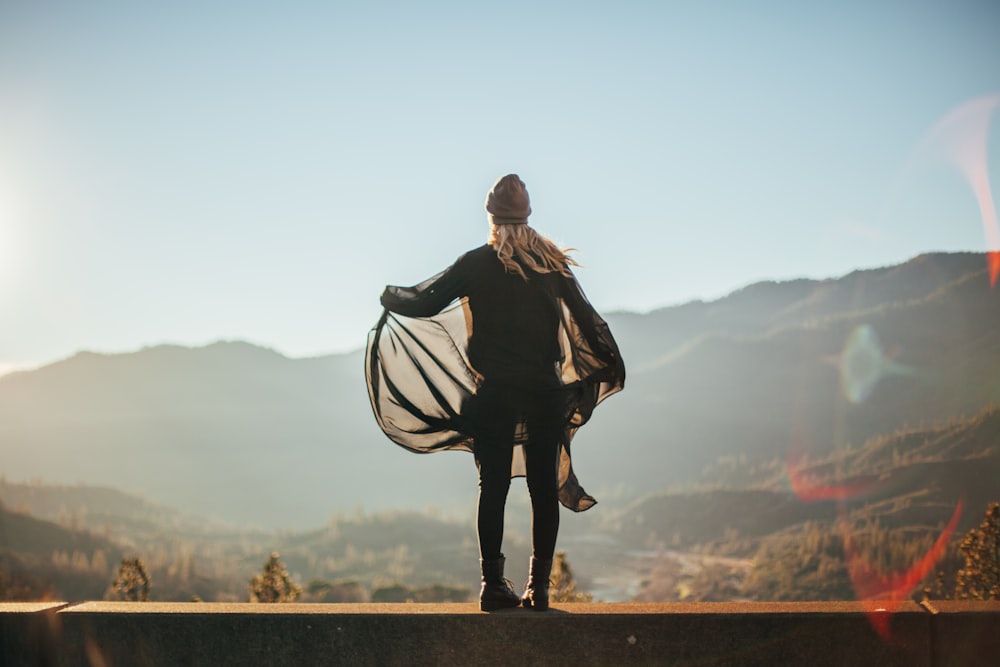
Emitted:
<point x="536" y="593"/>
<point x="496" y="592"/>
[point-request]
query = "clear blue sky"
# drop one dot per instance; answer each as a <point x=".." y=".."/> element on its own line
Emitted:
<point x="185" y="172"/>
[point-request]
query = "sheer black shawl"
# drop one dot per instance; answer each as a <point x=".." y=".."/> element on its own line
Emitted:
<point x="421" y="384"/>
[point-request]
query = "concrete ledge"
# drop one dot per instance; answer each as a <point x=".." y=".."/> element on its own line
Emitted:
<point x="965" y="632"/>
<point x="26" y="631"/>
<point x="712" y="634"/>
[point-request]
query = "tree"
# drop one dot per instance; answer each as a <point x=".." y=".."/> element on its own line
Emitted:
<point x="980" y="578"/>
<point x="563" y="583"/>
<point x="273" y="584"/>
<point x="132" y="583"/>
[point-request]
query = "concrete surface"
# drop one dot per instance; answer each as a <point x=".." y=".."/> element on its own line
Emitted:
<point x="708" y="634"/>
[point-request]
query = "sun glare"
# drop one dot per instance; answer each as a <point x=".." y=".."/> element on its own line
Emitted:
<point x="8" y="240"/>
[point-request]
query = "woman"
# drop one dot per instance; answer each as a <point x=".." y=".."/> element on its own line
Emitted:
<point x="500" y="355"/>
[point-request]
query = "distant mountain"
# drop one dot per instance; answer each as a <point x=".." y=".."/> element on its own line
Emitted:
<point x="37" y="537"/>
<point x="771" y="371"/>
<point x="767" y="306"/>
<point x="230" y="431"/>
<point x="66" y="542"/>
<point x="913" y="478"/>
<point x="39" y="559"/>
<point x="759" y="537"/>
<point x="881" y="506"/>
<point x="107" y="512"/>
<point x="812" y="370"/>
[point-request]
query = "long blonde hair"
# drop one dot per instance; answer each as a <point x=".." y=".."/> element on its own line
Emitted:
<point x="520" y="244"/>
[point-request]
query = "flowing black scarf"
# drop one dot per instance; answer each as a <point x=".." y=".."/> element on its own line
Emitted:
<point x="421" y="384"/>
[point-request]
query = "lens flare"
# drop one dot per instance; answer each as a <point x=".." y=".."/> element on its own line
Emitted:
<point x="863" y="364"/>
<point x="960" y="138"/>
<point x="806" y="489"/>
<point x="880" y="594"/>
<point x="883" y="594"/>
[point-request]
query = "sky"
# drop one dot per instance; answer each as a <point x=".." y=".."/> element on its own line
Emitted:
<point x="188" y="172"/>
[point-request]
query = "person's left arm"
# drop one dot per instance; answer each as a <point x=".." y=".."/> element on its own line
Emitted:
<point x="594" y="330"/>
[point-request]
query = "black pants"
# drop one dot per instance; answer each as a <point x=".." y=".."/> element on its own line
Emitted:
<point x="499" y="413"/>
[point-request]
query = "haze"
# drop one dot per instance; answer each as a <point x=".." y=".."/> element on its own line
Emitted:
<point x="185" y="173"/>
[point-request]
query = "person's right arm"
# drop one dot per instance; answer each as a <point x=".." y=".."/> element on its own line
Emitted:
<point x="429" y="297"/>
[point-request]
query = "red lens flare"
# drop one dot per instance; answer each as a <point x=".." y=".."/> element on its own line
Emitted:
<point x="881" y="594"/>
<point x="807" y="490"/>
<point x="961" y="138"/>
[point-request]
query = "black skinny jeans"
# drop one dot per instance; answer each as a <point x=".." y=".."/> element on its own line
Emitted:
<point x="500" y="411"/>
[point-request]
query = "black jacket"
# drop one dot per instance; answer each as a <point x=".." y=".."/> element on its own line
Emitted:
<point x="439" y="341"/>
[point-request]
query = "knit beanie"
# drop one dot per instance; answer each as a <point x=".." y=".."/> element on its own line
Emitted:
<point x="507" y="202"/>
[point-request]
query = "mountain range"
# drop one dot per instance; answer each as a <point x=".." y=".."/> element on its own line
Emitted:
<point x="727" y="392"/>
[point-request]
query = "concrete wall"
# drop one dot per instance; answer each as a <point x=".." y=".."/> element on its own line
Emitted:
<point x="715" y="634"/>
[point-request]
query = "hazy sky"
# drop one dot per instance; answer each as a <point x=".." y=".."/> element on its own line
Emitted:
<point x="185" y="172"/>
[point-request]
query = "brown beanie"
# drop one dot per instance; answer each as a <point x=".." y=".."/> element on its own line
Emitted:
<point x="507" y="202"/>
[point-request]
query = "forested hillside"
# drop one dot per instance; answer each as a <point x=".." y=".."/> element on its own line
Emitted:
<point x="248" y="436"/>
<point x="764" y="441"/>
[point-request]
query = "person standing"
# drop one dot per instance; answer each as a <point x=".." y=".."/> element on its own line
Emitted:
<point x="502" y="355"/>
